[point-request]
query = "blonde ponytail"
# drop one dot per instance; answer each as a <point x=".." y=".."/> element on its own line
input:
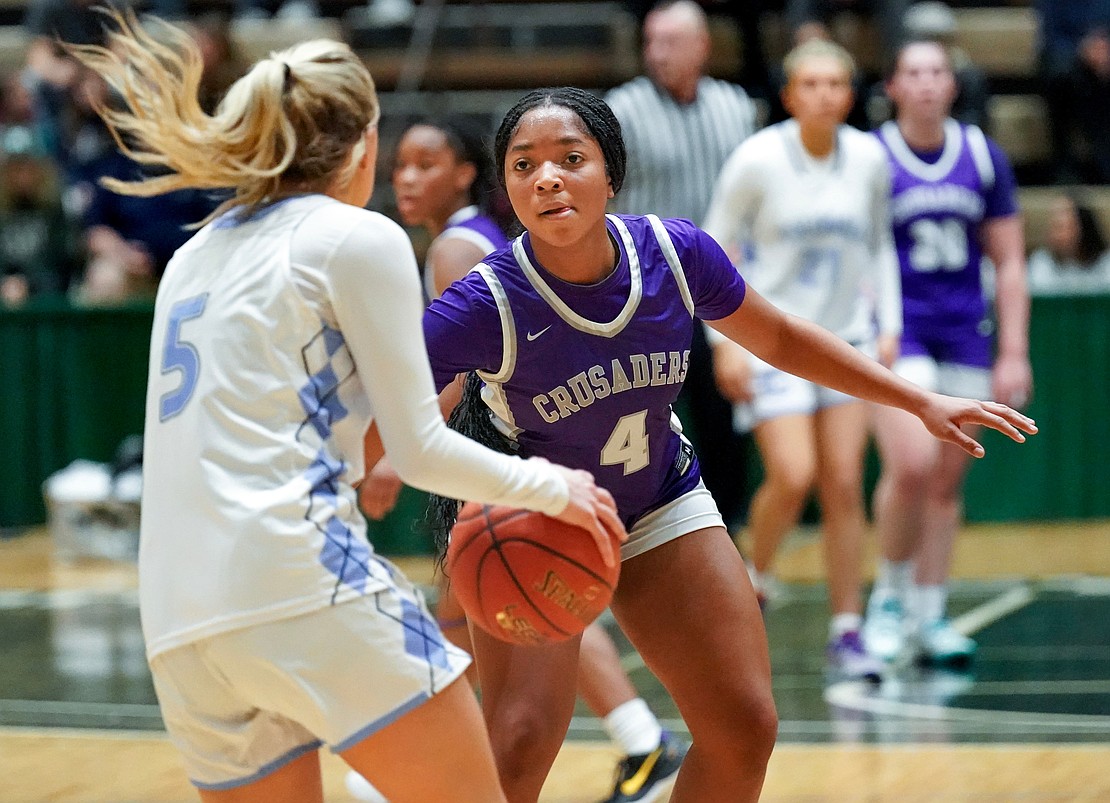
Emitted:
<point x="293" y="123"/>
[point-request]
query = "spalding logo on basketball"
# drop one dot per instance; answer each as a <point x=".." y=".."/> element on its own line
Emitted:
<point x="524" y="577"/>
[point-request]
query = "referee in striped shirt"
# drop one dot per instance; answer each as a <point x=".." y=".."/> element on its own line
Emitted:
<point x="679" y="126"/>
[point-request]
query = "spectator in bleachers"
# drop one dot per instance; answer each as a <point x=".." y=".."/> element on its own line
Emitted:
<point x="1073" y="258"/>
<point x="886" y="16"/>
<point x="679" y="127"/>
<point x="52" y="75"/>
<point x="1086" y="94"/>
<point x="130" y="239"/>
<point x="73" y="21"/>
<point x="932" y="19"/>
<point x="1063" y="24"/>
<point x="17" y="104"/>
<point x="1074" y="63"/>
<point x="51" y="22"/>
<point x="38" y="243"/>
<point x="78" y="139"/>
<point x="223" y="64"/>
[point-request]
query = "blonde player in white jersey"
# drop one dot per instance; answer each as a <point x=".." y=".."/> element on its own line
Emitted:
<point x="271" y="626"/>
<point x="808" y="200"/>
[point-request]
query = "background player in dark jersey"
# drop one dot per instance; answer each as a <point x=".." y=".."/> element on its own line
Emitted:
<point x="580" y="332"/>
<point x="953" y="200"/>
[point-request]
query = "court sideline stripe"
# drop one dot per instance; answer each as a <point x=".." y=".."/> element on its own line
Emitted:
<point x="990" y="612"/>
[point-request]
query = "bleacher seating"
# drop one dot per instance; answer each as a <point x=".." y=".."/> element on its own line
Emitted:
<point x="257" y="38"/>
<point x="488" y="46"/>
<point x="1036" y="203"/>
<point x="1019" y="123"/>
<point x="482" y="52"/>
<point x="1003" y="41"/>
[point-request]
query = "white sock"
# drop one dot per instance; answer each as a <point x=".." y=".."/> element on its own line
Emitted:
<point x="927" y="603"/>
<point x="842" y="623"/>
<point x="894" y="578"/>
<point x="634" y="728"/>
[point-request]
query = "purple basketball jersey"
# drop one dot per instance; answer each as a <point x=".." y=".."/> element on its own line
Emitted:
<point x="586" y="375"/>
<point x="938" y="203"/>
<point x="479" y="228"/>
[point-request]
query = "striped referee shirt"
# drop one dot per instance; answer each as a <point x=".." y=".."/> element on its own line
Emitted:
<point x="675" y="151"/>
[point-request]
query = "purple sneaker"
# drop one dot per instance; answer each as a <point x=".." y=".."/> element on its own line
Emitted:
<point x="850" y="658"/>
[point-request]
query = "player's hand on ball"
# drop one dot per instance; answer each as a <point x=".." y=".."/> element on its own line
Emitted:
<point x="525" y="577"/>
<point x="592" y="508"/>
<point x="944" y="415"/>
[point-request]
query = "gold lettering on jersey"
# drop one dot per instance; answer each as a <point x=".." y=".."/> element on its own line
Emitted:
<point x="576" y="603"/>
<point x="580" y="387"/>
<point x="620" y="378"/>
<point x="599" y="382"/>
<point x="658" y="367"/>
<point x="676" y="367"/>
<point x="641" y="373"/>
<point x="595" y="383"/>
<point x="518" y="626"/>
<point x="563" y="402"/>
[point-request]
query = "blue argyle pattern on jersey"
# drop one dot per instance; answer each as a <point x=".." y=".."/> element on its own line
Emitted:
<point x="423" y="638"/>
<point x="328" y="364"/>
<point x="320" y="397"/>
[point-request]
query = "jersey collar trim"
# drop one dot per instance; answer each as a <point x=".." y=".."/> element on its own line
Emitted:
<point x="802" y="161"/>
<point x="462" y="215"/>
<point x="582" y="324"/>
<point x="914" y="164"/>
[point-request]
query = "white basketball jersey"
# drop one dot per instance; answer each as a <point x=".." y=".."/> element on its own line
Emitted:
<point x="816" y="233"/>
<point x="256" y="414"/>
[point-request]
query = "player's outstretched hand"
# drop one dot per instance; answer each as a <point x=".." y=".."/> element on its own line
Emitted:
<point x="592" y="508"/>
<point x="377" y="495"/>
<point x="944" y="415"/>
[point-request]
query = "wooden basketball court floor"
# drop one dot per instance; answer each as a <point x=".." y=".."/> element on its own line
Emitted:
<point x="1030" y="721"/>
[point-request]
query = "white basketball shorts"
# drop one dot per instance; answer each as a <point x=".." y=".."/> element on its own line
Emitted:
<point x="242" y="704"/>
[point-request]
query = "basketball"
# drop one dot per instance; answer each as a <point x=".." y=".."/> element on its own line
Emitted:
<point x="524" y="577"/>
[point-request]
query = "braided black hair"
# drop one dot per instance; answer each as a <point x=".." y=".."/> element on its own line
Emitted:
<point x="472" y="418"/>
<point x="596" y="116"/>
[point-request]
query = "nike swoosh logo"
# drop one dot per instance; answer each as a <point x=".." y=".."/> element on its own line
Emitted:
<point x="633" y="785"/>
<point x="533" y="335"/>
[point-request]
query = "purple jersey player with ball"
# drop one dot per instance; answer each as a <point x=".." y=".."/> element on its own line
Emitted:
<point x="580" y="332"/>
<point x="953" y="199"/>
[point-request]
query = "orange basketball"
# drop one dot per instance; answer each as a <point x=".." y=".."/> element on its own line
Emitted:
<point x="524" y="577"/>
